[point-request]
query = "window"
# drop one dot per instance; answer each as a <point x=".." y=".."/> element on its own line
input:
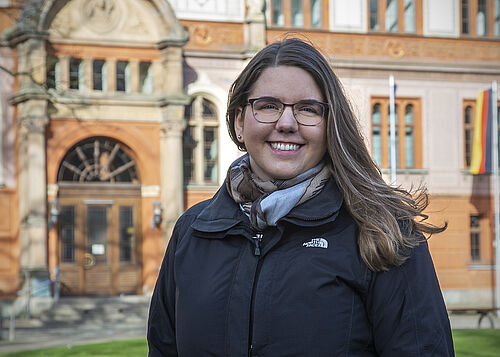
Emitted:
<point x="201" y="143"/>
<point x="99" y="77"/>
<point x="315" y="13"/>
<point x="496" y="18"/>
<point x="98" y="159"/>
<point x="468" y="135"/>
<point x="122" y="76"/>
<point x="410" y="16"/>
<point x="278" y="15"/>
<point x="67" y="234"/>
<point x="396" y="16"/>
<point x="298" y="13"/>
<point x="465" y="17"/>
<point x="475" y="238"/>
<point x="480" y="18"/>
<point x="408" y="132"/>
<point x="391" y="16"/>
<point x="127" y="236"/>
<point x="53" y="79"/>
<point x="374" y="14"/>
<point x="468" y="111"/>
<point x="145" y="77"/>
<point x="75" y="74"/>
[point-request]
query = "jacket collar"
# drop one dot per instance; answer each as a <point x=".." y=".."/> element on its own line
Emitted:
<point x="223" y="213"/>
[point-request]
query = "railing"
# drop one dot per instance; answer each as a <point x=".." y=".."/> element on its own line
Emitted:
<point x="45" y="287"/>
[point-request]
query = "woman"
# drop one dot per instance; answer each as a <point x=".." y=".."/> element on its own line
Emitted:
<point x="305" y="250"/>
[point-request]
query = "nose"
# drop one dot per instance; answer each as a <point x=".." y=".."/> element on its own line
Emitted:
<point x="287" y="122"/>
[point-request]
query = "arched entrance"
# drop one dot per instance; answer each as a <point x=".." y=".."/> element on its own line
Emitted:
<point x="99" y="238"/>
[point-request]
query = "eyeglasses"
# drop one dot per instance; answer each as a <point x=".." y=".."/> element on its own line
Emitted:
<point x="308" y="112"/>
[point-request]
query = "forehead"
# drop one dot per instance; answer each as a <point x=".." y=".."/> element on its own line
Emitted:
<point x="287" y="83"/>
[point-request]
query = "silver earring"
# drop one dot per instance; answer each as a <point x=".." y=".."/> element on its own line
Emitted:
<point x="239" y="137"/>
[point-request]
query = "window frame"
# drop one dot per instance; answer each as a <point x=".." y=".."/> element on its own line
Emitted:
<point x="472" y="104"/>
<point x="306" y="12"/>
<point x="381" y="18"/>
<point x="401" y="105"/>
<point x="475" y="231"/>
<point x="471" y="17"/>
<point x="197" y="121"/>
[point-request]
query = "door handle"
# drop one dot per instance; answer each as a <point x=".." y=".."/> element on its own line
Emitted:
<point x="88" y="261"/>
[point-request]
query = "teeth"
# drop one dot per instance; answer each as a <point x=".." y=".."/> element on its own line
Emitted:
<point x="284" y="147"/>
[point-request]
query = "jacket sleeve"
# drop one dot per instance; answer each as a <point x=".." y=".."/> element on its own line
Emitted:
<point x="161" y="322"/>
<point x="407" y="311"/>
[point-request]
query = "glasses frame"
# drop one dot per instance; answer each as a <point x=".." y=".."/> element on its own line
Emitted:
<point x="323" y="105"/>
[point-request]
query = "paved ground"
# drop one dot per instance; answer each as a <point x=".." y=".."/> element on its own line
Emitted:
<point x="29" y="338"/>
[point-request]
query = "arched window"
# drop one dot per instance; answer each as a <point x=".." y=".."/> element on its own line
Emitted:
<point x="99" y="77"/>
<point x="123" y="76"/>
<point x="98" y="159"/>
<point x="146" y="77"/>
<point x="53" y="79"/>
<point x="200" y="142"/>
<point x="76" y="74"/>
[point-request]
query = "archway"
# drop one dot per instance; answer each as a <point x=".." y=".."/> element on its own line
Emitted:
<point x="99" y="219"/>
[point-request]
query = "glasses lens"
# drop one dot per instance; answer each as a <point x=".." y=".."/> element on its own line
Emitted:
<point x="308" y="112"/>
<point x="267" y="110"/>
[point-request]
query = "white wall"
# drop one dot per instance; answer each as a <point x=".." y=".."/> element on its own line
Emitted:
<point x="209" y="10"/>
<point x="441" y="18"/>
<point x="348" y="15"/>
<point x="442" y="128"/>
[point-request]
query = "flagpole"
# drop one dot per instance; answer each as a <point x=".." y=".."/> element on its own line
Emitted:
<point x="496" y="199"/>
<point x="392" y="123"/>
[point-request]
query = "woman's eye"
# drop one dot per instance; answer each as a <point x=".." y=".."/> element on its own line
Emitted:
<point x="268" y="106"/>
<point x="309" y="109"/>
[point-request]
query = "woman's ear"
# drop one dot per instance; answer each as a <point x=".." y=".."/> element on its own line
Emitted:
<point x="239" y="123"/>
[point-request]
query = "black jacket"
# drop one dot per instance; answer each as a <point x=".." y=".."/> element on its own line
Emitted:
<point x="302" y="290"/>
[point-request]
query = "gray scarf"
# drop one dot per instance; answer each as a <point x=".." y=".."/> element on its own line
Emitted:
<point x="265" y="202"/>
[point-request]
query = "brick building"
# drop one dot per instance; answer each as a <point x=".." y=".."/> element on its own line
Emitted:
<point x="120" y="124"/>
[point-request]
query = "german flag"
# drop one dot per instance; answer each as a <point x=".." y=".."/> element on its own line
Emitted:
<point x="481" y="144"/>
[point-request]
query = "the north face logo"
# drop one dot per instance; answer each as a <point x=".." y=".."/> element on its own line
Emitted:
<point x="316" y="243"/>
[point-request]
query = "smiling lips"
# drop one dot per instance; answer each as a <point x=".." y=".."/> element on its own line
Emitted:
<point x="284" y="146"/>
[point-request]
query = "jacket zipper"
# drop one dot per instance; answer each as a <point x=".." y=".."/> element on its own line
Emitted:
<point x="257" y="239"/>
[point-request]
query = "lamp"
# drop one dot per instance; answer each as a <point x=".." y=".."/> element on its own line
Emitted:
<point x="54" y="214"/>
<point x="157" y="215"/>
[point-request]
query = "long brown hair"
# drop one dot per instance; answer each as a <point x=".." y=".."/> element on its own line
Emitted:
<point x="390" y="219"/>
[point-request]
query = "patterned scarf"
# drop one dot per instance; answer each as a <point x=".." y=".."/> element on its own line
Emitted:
<point x="265" y="202"/>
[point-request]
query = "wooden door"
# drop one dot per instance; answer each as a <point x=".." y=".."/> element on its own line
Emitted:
<point x="99" y="245"/>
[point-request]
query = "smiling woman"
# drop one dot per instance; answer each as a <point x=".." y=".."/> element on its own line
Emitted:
<point x="305" y="250"/>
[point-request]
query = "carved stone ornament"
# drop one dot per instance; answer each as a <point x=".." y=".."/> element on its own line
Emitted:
<point x="202" y="35"/>
<point x="395" y="49"/>
<point x="172" y="127"/>
<point x="101" y="16"/>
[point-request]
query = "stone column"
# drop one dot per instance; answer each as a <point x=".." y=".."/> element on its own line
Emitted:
<point x="111" y="74"/>
<point x="33" y="119"/>
<point x="31" y="103"/>
<point x="172" y="190"/>
<point x="134" y="75"/>
<point x="255" y="26"/>
<point x="172" y="127"/>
